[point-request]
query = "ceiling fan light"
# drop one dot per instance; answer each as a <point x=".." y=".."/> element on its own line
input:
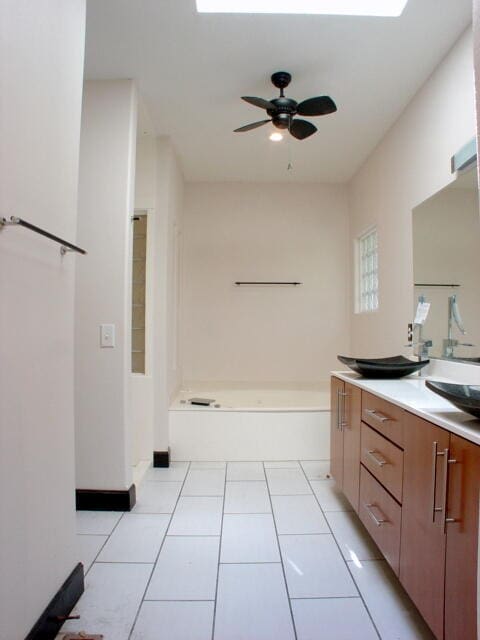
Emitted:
<point x="276" y="136"/>
<point x="387" y="8"/>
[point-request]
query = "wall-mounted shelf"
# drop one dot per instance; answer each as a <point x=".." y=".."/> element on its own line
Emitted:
<point x="430" y="284"/>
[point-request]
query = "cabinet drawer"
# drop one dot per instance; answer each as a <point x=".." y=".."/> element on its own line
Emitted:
<point x="383" y="459"/>
<point x="383" y="416"/>
<point x="381" y="516"/>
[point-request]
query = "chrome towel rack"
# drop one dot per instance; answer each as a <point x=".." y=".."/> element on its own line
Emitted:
<point x="66" y="247"/>
<point x="294" y="284"/>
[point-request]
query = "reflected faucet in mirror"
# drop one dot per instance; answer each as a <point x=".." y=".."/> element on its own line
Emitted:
<point x="454" y="317"/>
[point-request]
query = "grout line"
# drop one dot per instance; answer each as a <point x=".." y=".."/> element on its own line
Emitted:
<point x="219" y="555"/>
<point x="281" y="557"/>
<point x="152" y="562"/>
<point x="175" y="600"/>
<point x="329" y="598"/>
<point x="105" y="543"/>
<point x="156" y="559"/>
<point x="343" y="558"/>
<point x="253" y="562"/>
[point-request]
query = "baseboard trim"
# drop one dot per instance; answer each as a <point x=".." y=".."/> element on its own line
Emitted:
<point x="161" y="458"/>
<point x="59" y="607"/>
<point x="102" y="500"/>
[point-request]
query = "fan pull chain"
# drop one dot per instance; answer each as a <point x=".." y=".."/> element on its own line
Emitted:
<point x="289" y="152"/>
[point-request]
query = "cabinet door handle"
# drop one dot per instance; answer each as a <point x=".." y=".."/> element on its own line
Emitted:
<point x="378" y="459"/>
<point x="378" y="521"/>
<point x="435" y="455"/>
<point x="343" y="422"/>
<point x="338" y="408"/>
<point x="446" y="462"/>
<point x="377" y="415"/>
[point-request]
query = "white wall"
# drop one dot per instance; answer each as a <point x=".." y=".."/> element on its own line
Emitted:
<point x="41" y="69"/>
<point x="166" y="360"/>
<point x="159" y="190"/>
<point x="246" y="231"/>
<point x="103" y="285"/>
<point x="411" y="163"/>
<point x="446" y="238"/>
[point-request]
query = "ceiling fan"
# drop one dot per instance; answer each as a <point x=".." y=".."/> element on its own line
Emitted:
<point x="282" y="110"/>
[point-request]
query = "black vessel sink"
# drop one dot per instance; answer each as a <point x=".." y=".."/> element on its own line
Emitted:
<point x="394" y="367"/>
<point x="464" y="396"/>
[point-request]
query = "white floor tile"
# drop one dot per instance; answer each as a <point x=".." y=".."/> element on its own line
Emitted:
<point x="333" y="619"/>
<point x="113" y="593"/>
<point x="316" y="469"/>
<point x="285" y="464"/>
<point x="197" y="517"/>
<point x="247" y="497"/>
<point x="88" y="548"/>
<point x="245" y="471"/>
<point x="97" y="522"/>
<point x="391" y="609"/>
<point x="204" y="482"/>
<point x="137" y="538"/>
<point x="314" y="567"/>
<point x="285" y="482"/>
<point x="186" y="569"/>
<point x="249" y="538"/>
<point x="157" y="497"/>
<point x="183" y="620"/>
<point x="298" y="514"/>
<point x="353" y="539"/>
<point x="176" y="472"/>
<point x="329" y="497"/>
<point x="208" y="465"/>
<point x="252" y="604"/>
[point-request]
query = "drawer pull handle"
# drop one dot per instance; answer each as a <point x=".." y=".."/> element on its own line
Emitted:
<point x="377" y="415"/>
<point x="374" y="455"/>
<point x="378" y="521"/>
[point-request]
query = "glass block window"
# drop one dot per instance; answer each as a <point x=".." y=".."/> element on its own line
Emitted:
<point x="139" y="257"/>
<point x="367" y="270"/>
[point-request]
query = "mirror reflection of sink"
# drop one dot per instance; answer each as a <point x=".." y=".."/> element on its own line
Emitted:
<point x="465" y="397"/>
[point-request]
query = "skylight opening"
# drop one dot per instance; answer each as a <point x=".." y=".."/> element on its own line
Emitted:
<point x="385" y="8"/>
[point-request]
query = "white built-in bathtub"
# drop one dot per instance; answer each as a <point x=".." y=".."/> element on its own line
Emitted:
<point x="251" y="422"/>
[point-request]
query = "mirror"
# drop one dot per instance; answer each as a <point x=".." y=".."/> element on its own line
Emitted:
<point x="446" y="269"/>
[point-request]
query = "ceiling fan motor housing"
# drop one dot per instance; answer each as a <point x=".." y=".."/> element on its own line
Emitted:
<point x="285" y="109"/>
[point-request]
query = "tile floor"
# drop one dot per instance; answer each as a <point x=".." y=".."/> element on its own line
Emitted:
<point x="238" y="551"/>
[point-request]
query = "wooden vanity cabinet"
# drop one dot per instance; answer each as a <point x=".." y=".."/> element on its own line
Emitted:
<point x="346" y="407"/>
<point x="439" y="540"/>
<point x="462" y="540"/>
<point x="416" y="488"/>
<point x="423" y="541"/>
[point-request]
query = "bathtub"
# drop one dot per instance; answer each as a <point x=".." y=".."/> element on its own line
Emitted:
<point x="251" y="422"/>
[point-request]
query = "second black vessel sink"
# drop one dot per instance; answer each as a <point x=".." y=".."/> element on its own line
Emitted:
<point x="465" y="397"/>
<point x="394" y="367"/>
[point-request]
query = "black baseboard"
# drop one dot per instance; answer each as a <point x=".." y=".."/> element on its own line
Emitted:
<point x="101" y="500"/>
<point x="161" y="458"/>
<point x="60" y="606"/>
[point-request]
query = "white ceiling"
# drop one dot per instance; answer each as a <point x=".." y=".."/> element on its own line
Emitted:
<point x="191" y="70"/>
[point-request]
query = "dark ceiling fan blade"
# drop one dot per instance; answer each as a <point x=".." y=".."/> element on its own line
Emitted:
<point x="258" y="102"/>
<point x="320" y="106"/>
<point x="301" y="129"/>
<point x="249" y="127"/>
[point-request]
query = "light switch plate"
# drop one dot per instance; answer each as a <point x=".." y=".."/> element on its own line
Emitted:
<point x="107" y="336"/>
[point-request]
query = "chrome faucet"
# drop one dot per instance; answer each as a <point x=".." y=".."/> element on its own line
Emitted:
<point x="449" y="343"/>
<point x="423" y="344"/>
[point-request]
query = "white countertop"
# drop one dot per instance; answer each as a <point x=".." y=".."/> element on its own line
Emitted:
<point x="411" y="394"/>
